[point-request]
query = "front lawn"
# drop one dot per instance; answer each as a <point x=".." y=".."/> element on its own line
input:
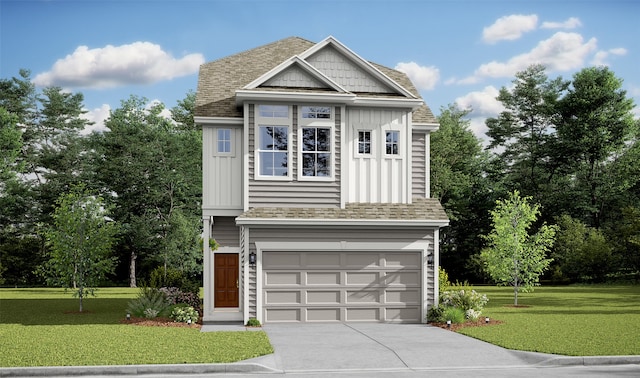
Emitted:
<point x="41" y="327"/>
<point x="567" y="320"/>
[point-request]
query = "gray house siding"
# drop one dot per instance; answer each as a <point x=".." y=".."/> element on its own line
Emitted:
<point x="294" y="193"/>
<point x="418" y="165"/>
<point x="225" y="231"/>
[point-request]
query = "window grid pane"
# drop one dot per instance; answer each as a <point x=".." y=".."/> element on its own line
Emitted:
<point x="273" y="150"/>
<point x="364" y="142"/>
<point x="224" y="140"/>
<point x="318" y="112"/>
<point x="316" y="159"/>
<point x="273" y="111"/>
<point x="392" y="143"/>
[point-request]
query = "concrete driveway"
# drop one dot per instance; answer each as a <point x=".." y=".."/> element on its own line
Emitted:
<point x="375" y="346"/>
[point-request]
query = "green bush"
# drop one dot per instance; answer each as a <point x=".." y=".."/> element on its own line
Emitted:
<point x="150" y="303"/>
<point x="464" y="300"/>
<point x="443" y="279"/>
<point x="436" y="314"/>
<point x="172" y="277"/>
<point x="253" y="322"/>
<point x="455" y="314"/>
<point x="184" y="314"/>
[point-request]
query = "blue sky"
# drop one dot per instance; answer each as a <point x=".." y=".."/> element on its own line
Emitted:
<point x="457" y="51"/>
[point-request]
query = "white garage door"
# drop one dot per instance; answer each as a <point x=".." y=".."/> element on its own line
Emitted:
<point x="341" y="286"/>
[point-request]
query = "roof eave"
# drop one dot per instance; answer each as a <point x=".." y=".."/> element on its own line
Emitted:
<point x="340" y="222"/>
<point x="243" y="96"/>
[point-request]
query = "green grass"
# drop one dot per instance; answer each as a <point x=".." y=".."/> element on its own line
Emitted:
<point x="568" y="320"/>
<point x="41" y="327"/>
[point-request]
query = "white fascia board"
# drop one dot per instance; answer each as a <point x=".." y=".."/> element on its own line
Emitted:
<point x="295" y="60"/>
<point x="295" y="97"/>
<point x="222" y="121"/>
<point x="363" y="63"/>
<point x="413" y="104"/>
<point x="426" y="126"/>
<point x="338" y="222"/>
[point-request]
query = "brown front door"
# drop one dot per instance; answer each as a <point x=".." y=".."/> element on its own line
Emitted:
<point x="226" y="279"/>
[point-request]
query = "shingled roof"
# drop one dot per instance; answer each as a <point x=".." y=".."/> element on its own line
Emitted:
<point x="218" y="80"/>
<point x="422" y="210"/>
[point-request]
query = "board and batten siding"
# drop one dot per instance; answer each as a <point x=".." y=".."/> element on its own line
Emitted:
<point x="377" y="177"/>
<point x="222" y="173"/>
<point x="312" y="236"/>
<point x="294" y="193"/>
<point x="418" y="165"/>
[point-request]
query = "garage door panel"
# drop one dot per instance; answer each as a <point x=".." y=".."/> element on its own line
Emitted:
<point x="323" y="297"/>
<point x="282" y="278"/>
<point x="362" y="314"/>
<point x="363" y="296"/>
<point x="323" y="314"/>
<point x="409" y="296"/>
<point x="323" y="278"/>
<point x="282" y="297"/>
<point x="363" y="286"/>
<point x="363" y="260"/>
<point x="402" y="278"/>
<point x="403" y="260"/>
<point x="359" y="278"/>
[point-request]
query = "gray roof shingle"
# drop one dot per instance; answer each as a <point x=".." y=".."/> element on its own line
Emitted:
<point x="218" y="80"/>
<point x="422" y="209"/>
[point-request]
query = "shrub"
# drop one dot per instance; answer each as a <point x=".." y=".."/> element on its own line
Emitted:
<point x="253" y="322"/>
<point x="150" y="303"/>
<point x="443" y="279"/>
<point x="177" y="296"/>
<point x="184" y="314"/>
<point x="435" y="314"/>
<point x="455" y="314"/>
<point x="172" y="277"/>
<point x="464" y="300"/>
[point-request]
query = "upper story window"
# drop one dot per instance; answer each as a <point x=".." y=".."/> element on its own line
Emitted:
<point x="273" y="151"/>
<point x="224" y="141"/>
<point x="316" y="112"/>
<point x="392" y="143"/>
<point x="316" y="151"/>
<point x="364" y="142"/>
<point x="272" y="142"/>
<point x="273" y="111"/>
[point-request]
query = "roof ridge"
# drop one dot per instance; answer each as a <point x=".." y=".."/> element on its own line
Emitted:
<point x="258" y="48"/>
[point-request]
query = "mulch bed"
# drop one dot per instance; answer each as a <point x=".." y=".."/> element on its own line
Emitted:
<point x="159" y="322"/>
<point x="457" y="326"/>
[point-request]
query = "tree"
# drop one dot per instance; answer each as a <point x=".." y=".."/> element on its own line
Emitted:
<point x="524" y="130"/>
<point x="597" y="126"/>
<point x="458" y="180"/>
<point x="81" y="240"/>
<point x="514" y="257"/>
<point x="151" y="168"/>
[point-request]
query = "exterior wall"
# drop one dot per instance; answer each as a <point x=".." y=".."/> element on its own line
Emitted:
<point x="294" y="193"/>
<point x="327" y="238"/>
<point x="344" y="72"/>
<point x="378" y="178"/>
<point x="225" y="231"/>
<point x="418" y="164"/>
<point x="222" y="173"/>
<point x="293" y="77"/>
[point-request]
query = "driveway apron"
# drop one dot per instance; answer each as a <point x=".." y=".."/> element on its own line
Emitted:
<point x="376" y="346"/>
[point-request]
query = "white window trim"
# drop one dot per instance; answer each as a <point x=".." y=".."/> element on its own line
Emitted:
<point x="232" y="136"/>
<point x="272" y="121"/>
<point x="401" y="147"/>
<point x="372" y="144"/>
<point x="317" y="123"/>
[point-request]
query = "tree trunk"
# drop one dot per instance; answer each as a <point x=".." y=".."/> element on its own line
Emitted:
<point x="132" y="269"/>
<point x="80" y="295"/>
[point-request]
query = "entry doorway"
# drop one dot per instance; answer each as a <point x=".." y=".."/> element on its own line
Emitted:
<point x="226" y="280"/>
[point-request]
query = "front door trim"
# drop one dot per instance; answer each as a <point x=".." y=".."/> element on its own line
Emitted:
<point x="226" y="281"/>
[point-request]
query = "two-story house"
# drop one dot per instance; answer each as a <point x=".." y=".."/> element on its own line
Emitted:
<point x="316" y="188"/>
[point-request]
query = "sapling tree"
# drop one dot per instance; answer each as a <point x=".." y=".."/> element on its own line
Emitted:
<point x="80" y="241"/>
<point x="513" y="256"/>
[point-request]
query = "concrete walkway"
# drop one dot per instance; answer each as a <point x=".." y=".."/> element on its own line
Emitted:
<point x="347" y="347"/>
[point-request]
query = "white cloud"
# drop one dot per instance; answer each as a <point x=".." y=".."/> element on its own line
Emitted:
<point x="97" y="116"/>
<point x="482" y="102"/>
<point x="509" y="28"/>
<point x="600" y="58"/>
<point x="110" y="66"/>
<point x="570" y="23"/>
<point x="562" y="52"/>
<point x="425" y="78"/>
